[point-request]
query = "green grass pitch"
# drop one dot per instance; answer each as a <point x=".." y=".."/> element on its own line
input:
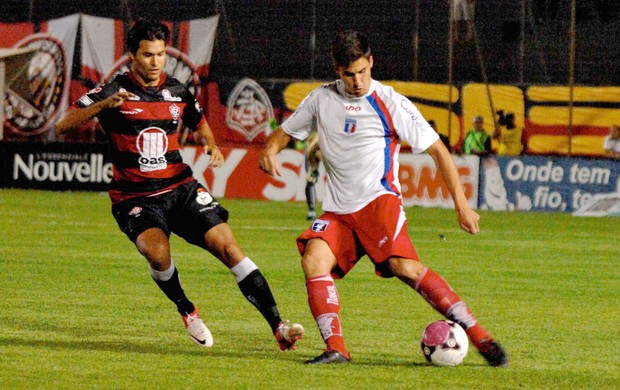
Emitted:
<point x="79" y="310"/>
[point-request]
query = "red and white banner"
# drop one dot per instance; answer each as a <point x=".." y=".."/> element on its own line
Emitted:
<point x="104" y="51"/>
<point x="240" y="177"/>
<point x="49" y="76"/>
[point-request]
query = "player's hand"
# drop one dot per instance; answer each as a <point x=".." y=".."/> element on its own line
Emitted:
<point x="117" y="99"/>
<point x="217" y="158"/>
<point x="269" y="164"/>
<point x="468" y="220"/>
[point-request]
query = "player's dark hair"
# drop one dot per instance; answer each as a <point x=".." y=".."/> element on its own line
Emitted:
<point x="145" y="30"/>
<point x="349" y="46"/>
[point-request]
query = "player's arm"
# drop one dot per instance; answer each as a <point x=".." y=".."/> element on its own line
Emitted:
<point x="74" y="118"/>
<point x="468" y="218"/>
<point x="210" y="147"/>
<point x="276" y="141"/>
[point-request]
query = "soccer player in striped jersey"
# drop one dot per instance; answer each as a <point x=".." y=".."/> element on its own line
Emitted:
<point x="360" y="124"/>
<point x="153" y="192"/>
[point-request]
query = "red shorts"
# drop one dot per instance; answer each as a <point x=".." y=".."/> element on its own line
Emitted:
<point x="379" y="230"/>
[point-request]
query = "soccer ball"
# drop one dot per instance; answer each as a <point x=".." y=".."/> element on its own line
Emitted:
<point x="444" y="343"/>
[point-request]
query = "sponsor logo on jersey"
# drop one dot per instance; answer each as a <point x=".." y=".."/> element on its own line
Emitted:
<point x="85" y="100"/>
<point x="319" y="225"/>
<point x="133" y="97"/>
<point x="352" y="108"/>
<point x="249" y="109"/>
<point x="168" y="96"/>
<point x="48" y="82"/>
<point x="152" y="144"/>
<point x="349" y="125"/>
<point x="175" y="111"/>
<point x="135" y="111"/>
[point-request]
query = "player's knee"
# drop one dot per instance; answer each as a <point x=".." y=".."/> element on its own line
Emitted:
<point x="314" y="265"/>
<point x="406" y="269"/>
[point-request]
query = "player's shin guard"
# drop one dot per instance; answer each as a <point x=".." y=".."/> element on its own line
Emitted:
<point x="325" y="307"/>
<point x="169" y="282"/>
<point x="442" y="297"/>
<point x="255" y="288"/>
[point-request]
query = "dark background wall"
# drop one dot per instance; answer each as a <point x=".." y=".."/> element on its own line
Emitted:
<point x="272" y="38"/>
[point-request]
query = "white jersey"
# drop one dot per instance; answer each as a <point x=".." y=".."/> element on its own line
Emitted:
<point x="360" y="140"/>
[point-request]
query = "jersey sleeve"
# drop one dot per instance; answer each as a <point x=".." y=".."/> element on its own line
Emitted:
<point x="95" y="95"/>
<point x="302" y="122"/>
<point x="413" y="128"/>
<point x="192" y="114"/>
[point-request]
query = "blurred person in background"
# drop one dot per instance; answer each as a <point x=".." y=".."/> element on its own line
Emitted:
<point x="477" y="141"/>
<point x="509" y="135"/>
<point x="444" y="138"/>
<point x="611" y="144"/>
<point x="463" y="12"/>
<point x="313" y="159"/>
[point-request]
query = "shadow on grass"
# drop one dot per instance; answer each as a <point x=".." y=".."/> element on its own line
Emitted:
<point x="143" y="348"/>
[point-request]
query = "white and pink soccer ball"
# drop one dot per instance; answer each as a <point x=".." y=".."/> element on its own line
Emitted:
<point x="444" y="343"/>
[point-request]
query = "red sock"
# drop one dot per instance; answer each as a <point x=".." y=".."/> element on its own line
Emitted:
<point x="325" y="307"/>
<point x="440" y="295"/>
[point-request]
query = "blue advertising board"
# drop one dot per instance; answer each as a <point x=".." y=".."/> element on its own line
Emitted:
<point x="545" y="183"/>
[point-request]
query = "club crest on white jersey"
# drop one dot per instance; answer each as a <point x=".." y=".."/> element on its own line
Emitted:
<point x="349" y="125"/>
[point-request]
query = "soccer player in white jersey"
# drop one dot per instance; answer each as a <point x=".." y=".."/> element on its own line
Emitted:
<point x="361" y="123"/>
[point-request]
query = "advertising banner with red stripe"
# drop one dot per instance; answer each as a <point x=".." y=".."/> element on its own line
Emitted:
<point x="240" y="177"/>
<point x="31" y="117"/>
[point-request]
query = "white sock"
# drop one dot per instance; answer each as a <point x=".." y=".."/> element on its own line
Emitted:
<point x="243" y="269"/>
<point x="162" y="276"/>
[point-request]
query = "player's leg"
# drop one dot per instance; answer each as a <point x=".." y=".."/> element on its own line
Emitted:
<point x="437" y="292"/>
<point x="202" y="221"/>
<point x="220" y="241"/>
<point x="143" y="222"/>
<point x="318" y="261"/>
<point x="154" y="245"/>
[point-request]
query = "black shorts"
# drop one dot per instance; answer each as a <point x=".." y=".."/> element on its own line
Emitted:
<point x="188" y="211"/>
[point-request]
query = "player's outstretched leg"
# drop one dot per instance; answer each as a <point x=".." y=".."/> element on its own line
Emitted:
<point x="168" y="281"/>
<point x="325" y="307"/>
<point x="255" y="288"/>
<point x="442" y="297"/>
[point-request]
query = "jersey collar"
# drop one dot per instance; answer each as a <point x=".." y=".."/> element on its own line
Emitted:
<point x="162" y="80"/>
<point x="373" y="86"/>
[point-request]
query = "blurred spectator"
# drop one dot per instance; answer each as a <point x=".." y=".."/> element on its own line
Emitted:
<point x="477" y="141"/>
<point x="612" y="142"/>
<point x="545" y="10"/>
<point x="444" y="138"/>
<point x="462" y="11"/>
<point x="509" y="136"/>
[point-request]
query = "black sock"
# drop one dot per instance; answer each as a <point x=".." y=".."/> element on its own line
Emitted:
<point x="173" y="290"/>
<point x="256" y="289"/>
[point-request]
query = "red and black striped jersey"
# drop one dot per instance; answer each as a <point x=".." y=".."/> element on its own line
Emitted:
<point x="144" y="134"/>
